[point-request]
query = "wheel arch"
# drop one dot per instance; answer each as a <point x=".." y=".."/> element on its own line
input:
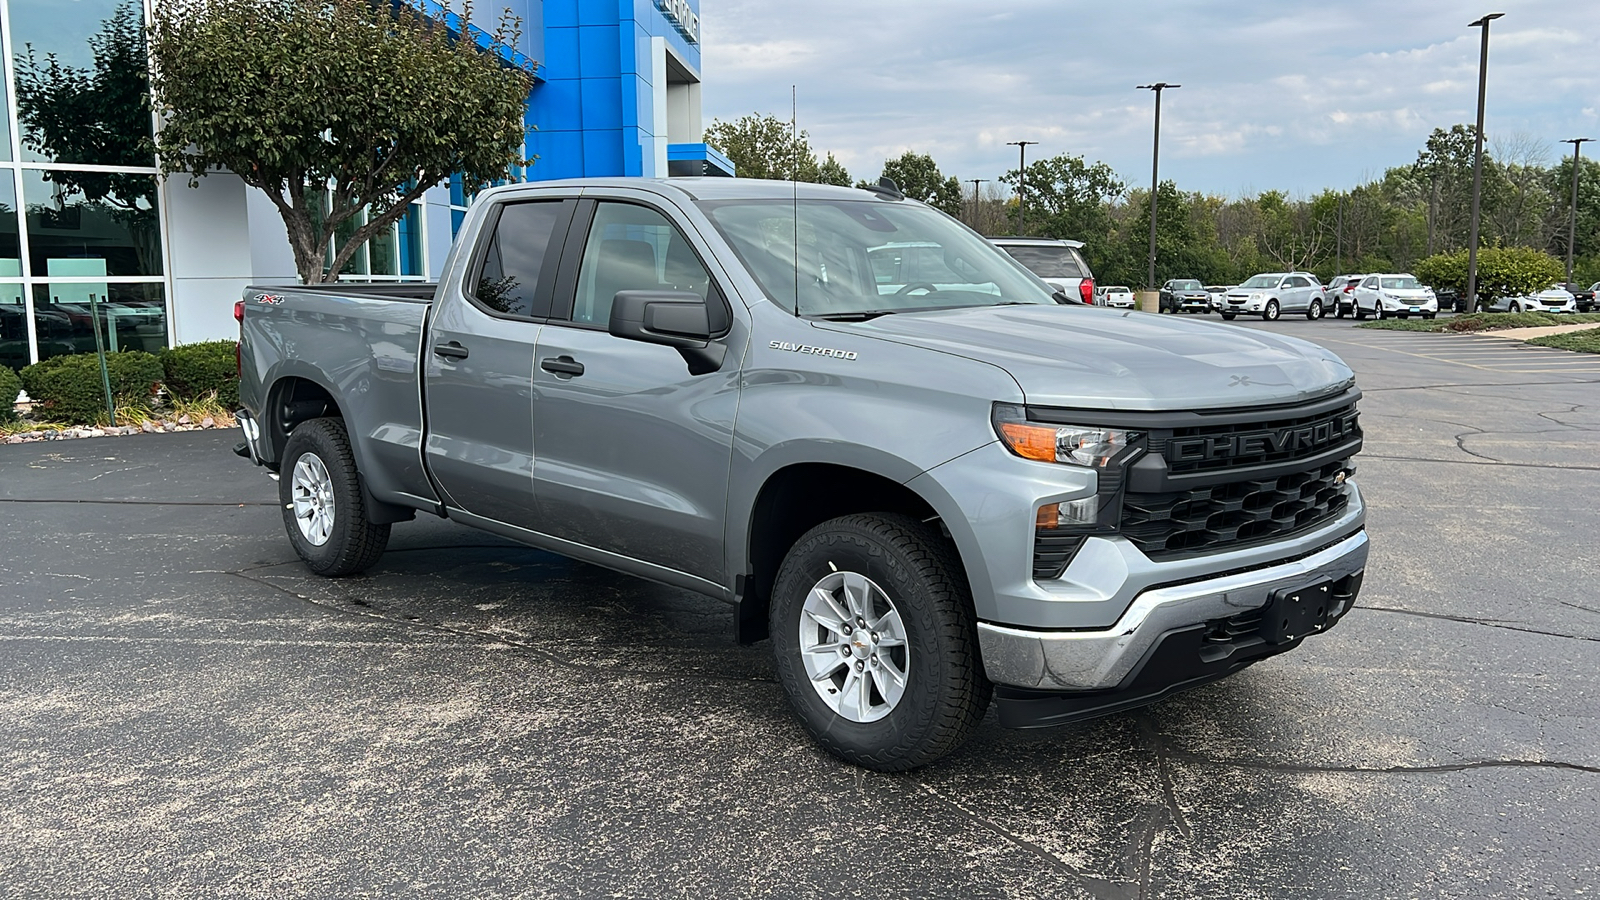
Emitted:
<point x="798" y="496"/>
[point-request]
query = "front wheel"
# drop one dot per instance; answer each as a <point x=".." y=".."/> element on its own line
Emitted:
<point x="1338" y="310"/>
<point x="1516" y="307"/>
<point x="875" y="644"/>
<point x="1228" y="317"/>
<point x="1314" y="312"/>
<point x="1271" y="313"/>
<point x="323" y="509"/>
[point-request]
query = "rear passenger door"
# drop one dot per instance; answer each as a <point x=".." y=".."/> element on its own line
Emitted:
<point x="479" y="364"/>
<point x="633" y="450"/>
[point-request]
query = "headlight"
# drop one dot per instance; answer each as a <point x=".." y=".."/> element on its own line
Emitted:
<point x="1258" y="296"/>
<point x="1079" y="445"/>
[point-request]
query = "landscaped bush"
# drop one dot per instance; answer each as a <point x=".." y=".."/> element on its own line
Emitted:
<point x="194" y="370"/>
<point x="10" y="386"/>
<point x="68" y="389"/>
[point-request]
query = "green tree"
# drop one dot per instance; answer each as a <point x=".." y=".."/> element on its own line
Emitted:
<point x="918" y="177"/>
<point x="1068" y="198"/>
<point x="366" y="103"/>
<point x="762" y="146"/>
<point x="833" y="172"/>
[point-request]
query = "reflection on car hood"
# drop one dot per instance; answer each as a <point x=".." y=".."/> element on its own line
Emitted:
<point x="1099" y="358"/>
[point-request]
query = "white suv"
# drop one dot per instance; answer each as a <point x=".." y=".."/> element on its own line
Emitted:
<point x="1397" y="294"/>
<point x="1057" y="262"/>
<point x="1272" y="294"/>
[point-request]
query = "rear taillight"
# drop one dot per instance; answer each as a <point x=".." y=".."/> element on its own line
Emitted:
<point x="1349" y="289"/>
<point x="238" y="354"/>
<point x="1086" y="290"/>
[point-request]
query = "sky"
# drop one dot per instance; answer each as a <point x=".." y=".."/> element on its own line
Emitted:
<point x="1276" y="94"/>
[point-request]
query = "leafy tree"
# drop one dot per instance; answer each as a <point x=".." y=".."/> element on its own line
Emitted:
<point x="1067" y="198"/>
<point x="762" y="146"/>
<point x="364" y="102"/>
<point x="833" y="172"/>
<point x="919" y="178"/>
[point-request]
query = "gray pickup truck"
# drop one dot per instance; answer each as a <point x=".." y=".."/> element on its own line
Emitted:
<point x="932" y="492"/>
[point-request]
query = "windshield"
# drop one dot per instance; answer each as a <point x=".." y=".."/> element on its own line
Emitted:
<point x="1186" y="286"/>
<point x="868" y="257"/>
<point x="1400" y="283"/>
<point x="1048" y="262"/>
<point x="1261" y="281"/>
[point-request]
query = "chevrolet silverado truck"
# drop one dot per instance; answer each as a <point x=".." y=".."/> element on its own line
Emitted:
<point x="932" y="495"/>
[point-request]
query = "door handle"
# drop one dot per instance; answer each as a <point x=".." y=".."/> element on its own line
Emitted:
<point x="561" y="365"/>
<point x="451" y="350"/>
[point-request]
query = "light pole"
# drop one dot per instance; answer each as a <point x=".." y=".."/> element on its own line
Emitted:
<point x="1477" y="164"/>
<point x="975" y="182"/>
<point x="1155" y="169"/>
<point x="1572" y="221"/>
<point x="1022" y="177"/>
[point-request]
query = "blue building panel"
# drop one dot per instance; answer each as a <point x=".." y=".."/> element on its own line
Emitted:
<point x="603" y="153"/>
<point x="560" y="13"/>
<point x="599" y="50"/>
<point x="602" y="103"/>
<point x="561" y="52"/>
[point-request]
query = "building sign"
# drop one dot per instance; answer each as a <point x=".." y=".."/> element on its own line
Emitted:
<point x="682" y="18"/>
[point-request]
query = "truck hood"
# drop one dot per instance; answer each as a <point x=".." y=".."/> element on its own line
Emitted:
<point x="1095" y="358"/>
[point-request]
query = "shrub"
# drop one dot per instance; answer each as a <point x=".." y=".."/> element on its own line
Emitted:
<point x="194" y="370"/>
<point x="1502" y="271"/>
<point x="68" y="389"/>
<point x="10" y="387"/>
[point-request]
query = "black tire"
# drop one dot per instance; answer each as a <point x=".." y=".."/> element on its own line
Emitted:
<point x="1272" y="312"/>
<point x="1228" y="317"/>
<point x="946" y="691"/>
<point x="1314" y="311"/>
<point x="1380" y="312"/>
<point x="1516" y="307"/>
<point x="1338" y="310"/>
<point x="1361" y="314"/>
<point x="353" y="543"/>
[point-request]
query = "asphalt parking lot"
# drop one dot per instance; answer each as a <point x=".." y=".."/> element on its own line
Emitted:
<point x="187" y="712"/>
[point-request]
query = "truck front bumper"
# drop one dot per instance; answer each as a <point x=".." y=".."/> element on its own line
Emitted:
<point x="1170" y="638"/>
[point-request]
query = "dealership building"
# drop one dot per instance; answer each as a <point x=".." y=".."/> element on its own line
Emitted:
<point x="84" y="216"/>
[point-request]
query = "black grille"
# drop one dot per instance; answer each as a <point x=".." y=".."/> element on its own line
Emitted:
<point x="1052" y="551"/>
<point x="1233" y="515"/>
<point x="1327" y="423"/>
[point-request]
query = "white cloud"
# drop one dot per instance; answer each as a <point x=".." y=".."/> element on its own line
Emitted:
<point x="1293" y="94"/>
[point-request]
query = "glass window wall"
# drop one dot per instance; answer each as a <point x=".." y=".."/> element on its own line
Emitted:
<point x="79" y="317"/>
<point x="91" y="223"/>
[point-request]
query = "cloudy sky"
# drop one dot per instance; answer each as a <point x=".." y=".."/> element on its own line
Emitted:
<point x="1276" y="93"/>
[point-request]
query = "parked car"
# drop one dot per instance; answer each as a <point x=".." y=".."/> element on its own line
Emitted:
<point x="1553" y="299"/>
<point x="1340" y="293"/>
<point x="1582" y="296"/>
<point x="1394" y="294"/>
<point x="1272" y="294"/>
<point x="931" y="501"/>
<point x="1059" y="263"/>
<point x="1218" y="294"/>
<point x="1183" y="295"/>
<point x="1118" y="297"/>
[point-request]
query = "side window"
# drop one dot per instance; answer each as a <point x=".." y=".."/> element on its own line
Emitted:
<point x="509" y="280"/>
<point x="1370" y="283"/>
<point x="632" y="248"/>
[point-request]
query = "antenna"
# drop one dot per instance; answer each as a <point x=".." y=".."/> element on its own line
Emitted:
<point x="794" y="189"/>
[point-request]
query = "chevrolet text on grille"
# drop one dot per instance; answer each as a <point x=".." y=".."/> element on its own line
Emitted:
<point x="1305" y="437"/>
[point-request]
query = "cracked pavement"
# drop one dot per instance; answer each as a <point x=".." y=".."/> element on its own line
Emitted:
<point x="189" y="713"/>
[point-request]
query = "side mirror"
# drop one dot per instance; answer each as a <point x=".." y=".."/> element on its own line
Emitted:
<point x="677" y="319"/>
<point x="671" y="318"/>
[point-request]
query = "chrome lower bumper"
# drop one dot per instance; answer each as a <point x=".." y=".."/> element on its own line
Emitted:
<point x="1102" y="659"/>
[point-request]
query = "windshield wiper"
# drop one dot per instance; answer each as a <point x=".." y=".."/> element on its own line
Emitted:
<point x="866" y="314"/>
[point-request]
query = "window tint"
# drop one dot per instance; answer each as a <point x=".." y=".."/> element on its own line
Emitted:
<point x="633" y="248"/>
<point x="1370" y="283"/>
<point x="509" y="280"/>
<point x="1048" y="262"/>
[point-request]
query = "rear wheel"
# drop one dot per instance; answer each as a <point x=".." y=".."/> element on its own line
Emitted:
<point x="1272" y="312"/>
<point x="323" y="509"/>
<point x="875" y="644"/>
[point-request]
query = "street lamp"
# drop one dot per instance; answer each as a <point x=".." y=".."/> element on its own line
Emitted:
<point x="1022" y="177"/>
<point x="1572" y="222"/>
<point x="1155" y="168"/>
<point x="1477" y="163"/>
<point x="975" y="183"/>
